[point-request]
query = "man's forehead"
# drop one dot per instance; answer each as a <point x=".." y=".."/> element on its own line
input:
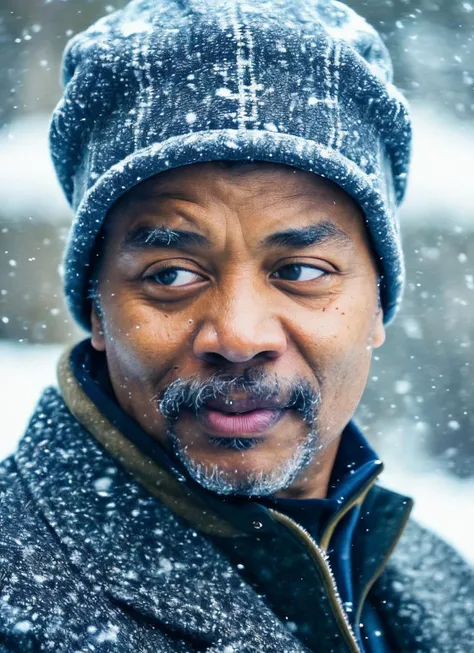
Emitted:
<point x="260" y="186"/>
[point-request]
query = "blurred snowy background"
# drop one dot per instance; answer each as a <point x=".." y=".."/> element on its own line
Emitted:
<point x="417" y="409"/>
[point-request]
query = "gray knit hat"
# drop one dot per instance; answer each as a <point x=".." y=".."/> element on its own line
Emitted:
<point x="166" y="83"/>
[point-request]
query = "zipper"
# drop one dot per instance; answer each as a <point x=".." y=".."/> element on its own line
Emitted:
<point x="381" y="567"/>
<point x="359" y="499"/>
<point x="329" y="582"/>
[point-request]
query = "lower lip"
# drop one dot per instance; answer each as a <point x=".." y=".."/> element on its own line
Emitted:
<point x="255" y="421"/>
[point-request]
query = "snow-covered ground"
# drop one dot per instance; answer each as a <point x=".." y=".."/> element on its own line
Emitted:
<point x="442" y="502"/>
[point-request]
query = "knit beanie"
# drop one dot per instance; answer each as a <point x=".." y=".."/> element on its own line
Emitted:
<point x="167" y="83"/>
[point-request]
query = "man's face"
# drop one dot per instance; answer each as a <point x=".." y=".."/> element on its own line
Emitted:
<point x="238" y="312"/>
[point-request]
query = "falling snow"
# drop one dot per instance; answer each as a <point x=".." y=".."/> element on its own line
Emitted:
<point x="420" y="392"/>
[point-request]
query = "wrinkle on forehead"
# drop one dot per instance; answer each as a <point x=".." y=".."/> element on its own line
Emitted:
<point x="250" y="180"/>
<point x="213" y="199"/>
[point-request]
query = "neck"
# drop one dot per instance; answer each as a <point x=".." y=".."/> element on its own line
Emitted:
<point x="313" y="482"/>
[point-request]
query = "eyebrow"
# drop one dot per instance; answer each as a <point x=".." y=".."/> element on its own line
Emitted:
<point x="144" y="238"/>
<point x="163" y="237"/>
<point x="314" y="234"/>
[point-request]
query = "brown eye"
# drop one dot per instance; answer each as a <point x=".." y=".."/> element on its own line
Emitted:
<point x="297" y="272"/>
<point x="173" y="276"/>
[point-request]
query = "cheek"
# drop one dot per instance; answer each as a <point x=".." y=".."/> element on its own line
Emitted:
<point x="337" y="344"/>
<point x="343" y="374"/>
<point x="143" y="342"/>
<point x="338" y="333"/>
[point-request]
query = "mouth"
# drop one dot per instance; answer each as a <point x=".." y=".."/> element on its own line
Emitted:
<point x="240" y="417"/>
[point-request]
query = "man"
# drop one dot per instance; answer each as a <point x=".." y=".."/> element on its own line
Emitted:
<point x="197" y="482"/>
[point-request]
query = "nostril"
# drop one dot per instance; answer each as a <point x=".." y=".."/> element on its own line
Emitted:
<point x="215" y="358"/>
<point x="220" y="360"/>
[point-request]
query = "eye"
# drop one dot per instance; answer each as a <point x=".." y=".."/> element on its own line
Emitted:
<point x="297" y="272"/>
<point x="173" y="276"/>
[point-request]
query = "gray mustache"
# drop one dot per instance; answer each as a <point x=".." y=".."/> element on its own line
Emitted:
<point x="192" y="394"/>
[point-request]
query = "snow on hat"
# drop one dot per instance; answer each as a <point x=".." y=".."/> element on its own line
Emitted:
<point x="166" y="83"/>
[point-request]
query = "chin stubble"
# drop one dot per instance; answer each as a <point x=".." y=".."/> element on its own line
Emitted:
<point x="251" y="483"/>
<point x="193" y="394"/>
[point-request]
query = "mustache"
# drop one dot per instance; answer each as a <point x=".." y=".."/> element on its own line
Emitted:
<point x="192" y="394"/>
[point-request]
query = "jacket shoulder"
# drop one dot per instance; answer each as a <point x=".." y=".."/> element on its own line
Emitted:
<point x="22" y="546"/>
<point x="428" y="593"/>
<point x="417" y="533"/>
<point x="20" y="519"/>
<point x="427" y="555"/>
<point x="30" y="555"/>
<point x="15" y="504"/>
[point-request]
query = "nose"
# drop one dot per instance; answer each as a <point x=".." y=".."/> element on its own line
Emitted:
<point x="240" y="326"/>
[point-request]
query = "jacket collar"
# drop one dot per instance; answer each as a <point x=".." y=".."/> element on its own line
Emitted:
<point x="355" y="472"/>
<point x="86" y="388"/>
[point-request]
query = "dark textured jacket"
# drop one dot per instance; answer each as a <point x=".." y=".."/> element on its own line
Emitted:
<point x="91" y="559"/>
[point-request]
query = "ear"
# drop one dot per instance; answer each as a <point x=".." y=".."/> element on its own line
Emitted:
<point x="97" y="336"/>
<point x="378" y="334"/>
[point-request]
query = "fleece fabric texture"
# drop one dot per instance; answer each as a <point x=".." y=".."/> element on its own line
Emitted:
<point x="163" y="84"/>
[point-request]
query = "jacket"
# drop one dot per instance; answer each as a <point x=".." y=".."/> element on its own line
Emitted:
<point x="103" y="549"/>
